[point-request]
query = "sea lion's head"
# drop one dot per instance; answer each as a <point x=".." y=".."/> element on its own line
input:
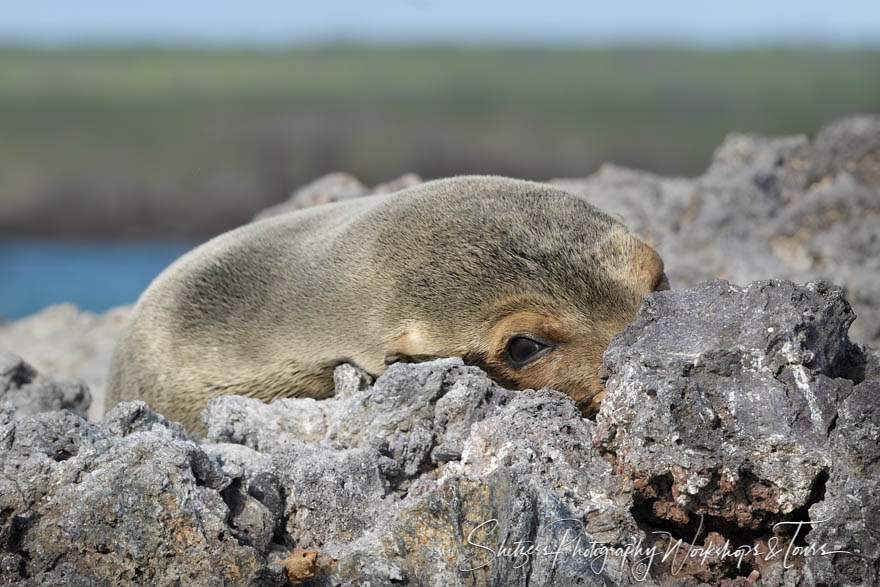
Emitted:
<point x="524" y="280"/>
<point x="545" y="340"/>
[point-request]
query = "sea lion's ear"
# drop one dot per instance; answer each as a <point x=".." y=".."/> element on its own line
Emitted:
<point x="410" y="346"/>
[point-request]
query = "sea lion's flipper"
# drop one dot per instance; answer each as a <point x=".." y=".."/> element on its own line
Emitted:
<point x="410" y="346"/>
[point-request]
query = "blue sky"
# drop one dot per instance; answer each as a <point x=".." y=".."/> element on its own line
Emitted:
<point x="274" y="22"/>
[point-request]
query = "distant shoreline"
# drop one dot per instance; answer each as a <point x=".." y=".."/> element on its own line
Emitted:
<point x="158" y="143"/>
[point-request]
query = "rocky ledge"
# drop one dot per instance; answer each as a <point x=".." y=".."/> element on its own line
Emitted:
<point x="738" y="443"/>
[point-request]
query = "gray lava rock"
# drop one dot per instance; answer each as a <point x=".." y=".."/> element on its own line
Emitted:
<point x="732" y="415"/>
<point x="83" y="506"/>
<point x="336" y="187"/>
<point x="417" y="415"/>
<point x="70" y="344"/>
<point x="136" y="416"/>
<point x="528" y="474"/>
<point x="31" y="393"/>
<point x="410" y="466"/>
<point x="738" y="417"/>
<point x="744" y="410"/>
<point x="849" y="506"/>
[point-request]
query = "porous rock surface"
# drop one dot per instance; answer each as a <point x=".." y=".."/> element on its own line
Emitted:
<point x="731" y="414"/>
<point x="742" y="408"/>
<point x="29" y="392"/>
<point x="69" y="343"/>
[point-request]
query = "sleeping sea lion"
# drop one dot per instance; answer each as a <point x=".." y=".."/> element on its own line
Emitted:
<point x="522" y="279"/>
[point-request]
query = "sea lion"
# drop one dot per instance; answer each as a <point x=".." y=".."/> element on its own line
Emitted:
<point x="525" y="280"/>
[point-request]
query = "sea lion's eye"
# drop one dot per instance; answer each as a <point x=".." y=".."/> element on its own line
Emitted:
<point x="522" y="350"/>
<point x="662" y="283"/>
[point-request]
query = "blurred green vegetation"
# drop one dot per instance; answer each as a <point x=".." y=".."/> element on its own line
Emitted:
<point x="185" y="142"/>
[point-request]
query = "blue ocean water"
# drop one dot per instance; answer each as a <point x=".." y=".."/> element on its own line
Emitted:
<point x="93" y="275"/>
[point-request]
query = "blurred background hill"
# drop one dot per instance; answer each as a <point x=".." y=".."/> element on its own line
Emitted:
<point x="186" y="143"/>
<point x="172" y="122"/>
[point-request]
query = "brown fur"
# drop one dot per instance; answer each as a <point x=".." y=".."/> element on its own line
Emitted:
<point x="454" y="267"/>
